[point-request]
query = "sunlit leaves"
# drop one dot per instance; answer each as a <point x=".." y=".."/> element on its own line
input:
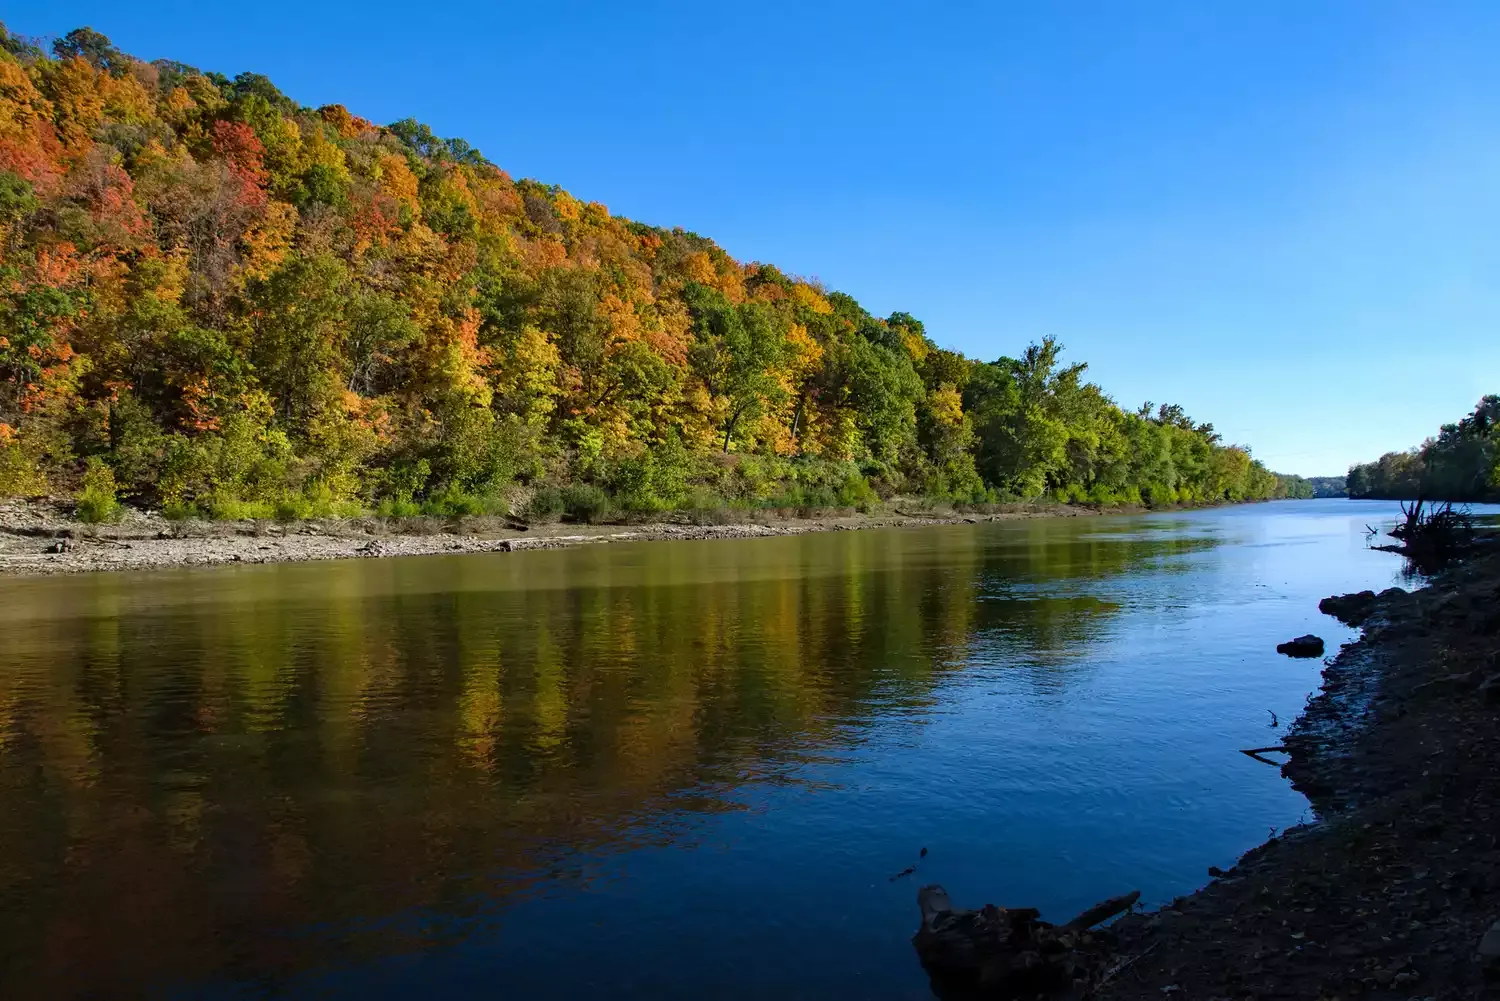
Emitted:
<point x="243" y="304"/>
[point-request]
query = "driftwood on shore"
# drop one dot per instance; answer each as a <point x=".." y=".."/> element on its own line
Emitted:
<point x="999" y="952"/>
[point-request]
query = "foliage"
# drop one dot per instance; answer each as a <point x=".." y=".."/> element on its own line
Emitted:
<point x="97" y="501"/>
<point x="1293" y="487"/>
<point x="1329" y="486"/>
<point x="249" y="308"/>
<point x="1461" y="464"/>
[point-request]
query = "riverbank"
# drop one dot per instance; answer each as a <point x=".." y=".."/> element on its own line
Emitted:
<point x="1390" y="893"/>
<point x="40" y="538"/>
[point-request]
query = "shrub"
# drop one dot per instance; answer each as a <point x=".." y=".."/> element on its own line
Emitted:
<point x="586" y="503"/>
<point x="136" y="444"/>
<point x="222" y="505"/>
<point x="547" y="504"/>
<point x="397" y="508"/>
<point x="451" y="503"/>
<point x="403" y="480"/>
<point x="97" y="501"/>
<point x="856" y="492"/>
<point x="178" y="510"/>
<point x="19" y="475"/>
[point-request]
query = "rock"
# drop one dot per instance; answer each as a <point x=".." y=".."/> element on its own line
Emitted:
<point x="1489" y="690"/>
<point x="1350" y="609"/>
<point x="1000" y="952"/>
<point x="1489" y="944"/>
<point x="1302" y="646"/>
<point x="61" y="546"/>
<point x="1215" y="872"/>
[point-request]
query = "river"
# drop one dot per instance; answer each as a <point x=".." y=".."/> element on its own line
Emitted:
<point x="655" y="770"/>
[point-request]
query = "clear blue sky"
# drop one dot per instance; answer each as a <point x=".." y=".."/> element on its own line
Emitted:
<point x="1283" y="215"/>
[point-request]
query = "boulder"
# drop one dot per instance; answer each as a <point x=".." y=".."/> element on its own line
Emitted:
<point x="1350" y="609"/>
<point x="1302" y="646"/>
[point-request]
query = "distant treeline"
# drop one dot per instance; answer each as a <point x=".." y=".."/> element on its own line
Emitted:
<point x="217" y="301"/>
<point x="1307" y="487"/>
<point x="1461" y="464"/>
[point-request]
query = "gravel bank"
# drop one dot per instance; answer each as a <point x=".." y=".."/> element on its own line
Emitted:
<point x="40" y="538"/>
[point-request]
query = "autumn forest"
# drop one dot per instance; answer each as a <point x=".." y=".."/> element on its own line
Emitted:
<point x="217" y="302"/>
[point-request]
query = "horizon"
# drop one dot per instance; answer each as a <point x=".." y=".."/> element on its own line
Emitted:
<point x="1219" y="181"/>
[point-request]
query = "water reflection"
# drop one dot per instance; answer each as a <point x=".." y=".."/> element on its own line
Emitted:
<point x="238" y="775"/>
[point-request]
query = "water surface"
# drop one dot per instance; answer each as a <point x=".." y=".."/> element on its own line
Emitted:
<point x="656" y="770"/>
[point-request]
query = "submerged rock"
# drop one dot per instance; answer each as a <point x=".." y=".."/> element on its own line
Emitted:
<point x="1302" y="646"/>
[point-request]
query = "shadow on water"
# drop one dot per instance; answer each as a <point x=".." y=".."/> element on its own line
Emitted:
<point x="245" y="775"/>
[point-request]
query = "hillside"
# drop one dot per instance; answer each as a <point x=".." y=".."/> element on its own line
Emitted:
<point x="219" y="302"/>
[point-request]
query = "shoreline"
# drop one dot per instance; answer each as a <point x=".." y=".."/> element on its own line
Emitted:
<point x="1394" y="891"/>
<point x="41" y="540"/>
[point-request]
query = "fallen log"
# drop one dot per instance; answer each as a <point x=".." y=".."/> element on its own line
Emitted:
<point x="1258" y="754"/>
<point x="1103" y="911"/>
<point x="999" y="952"/>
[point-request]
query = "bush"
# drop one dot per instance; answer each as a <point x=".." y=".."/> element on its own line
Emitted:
<point x="177" y="510"/>
<point x="403" y="481"/>
<point x="136" y="445"/>
<point x="452" y="501"/>
<point x="397" y="508"/>
<point x="97" y="501"/>
<point x="547" y="504"/>
<point x="856" y="492"/>
<point x="222" y="505"/>
<point x="19" y="475"/>
<point x="586" y="503"/>
<point x="316" y="500"/>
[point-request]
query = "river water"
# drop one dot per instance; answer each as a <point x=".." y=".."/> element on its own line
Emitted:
<point x="656" y="770"/>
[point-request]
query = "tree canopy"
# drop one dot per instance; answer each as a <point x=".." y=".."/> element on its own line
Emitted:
<point x="240" y="305"/>
<point x="1462" y="463"/>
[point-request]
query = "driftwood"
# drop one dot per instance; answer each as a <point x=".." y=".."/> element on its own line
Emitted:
<point x="999" y="952"/>
<point x="1103" y="911"/>
<point x="1256" y="752"/>
<point x="1430" y="536"/>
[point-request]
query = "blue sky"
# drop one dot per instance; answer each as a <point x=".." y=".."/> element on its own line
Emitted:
<point x="1283" y="215"/>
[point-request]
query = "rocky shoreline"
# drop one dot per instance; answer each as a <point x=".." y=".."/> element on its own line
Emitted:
<point x="1394" y="893"/>
<point x="41" y="538"/>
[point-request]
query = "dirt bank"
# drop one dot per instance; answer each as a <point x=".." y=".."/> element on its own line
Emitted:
<point x="1390" y="894"/>
<point x="42" y="538"/>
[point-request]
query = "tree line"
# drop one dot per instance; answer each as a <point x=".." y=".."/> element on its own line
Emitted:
<point x="218" y="302"/>
<point x="1462" y="463"/>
